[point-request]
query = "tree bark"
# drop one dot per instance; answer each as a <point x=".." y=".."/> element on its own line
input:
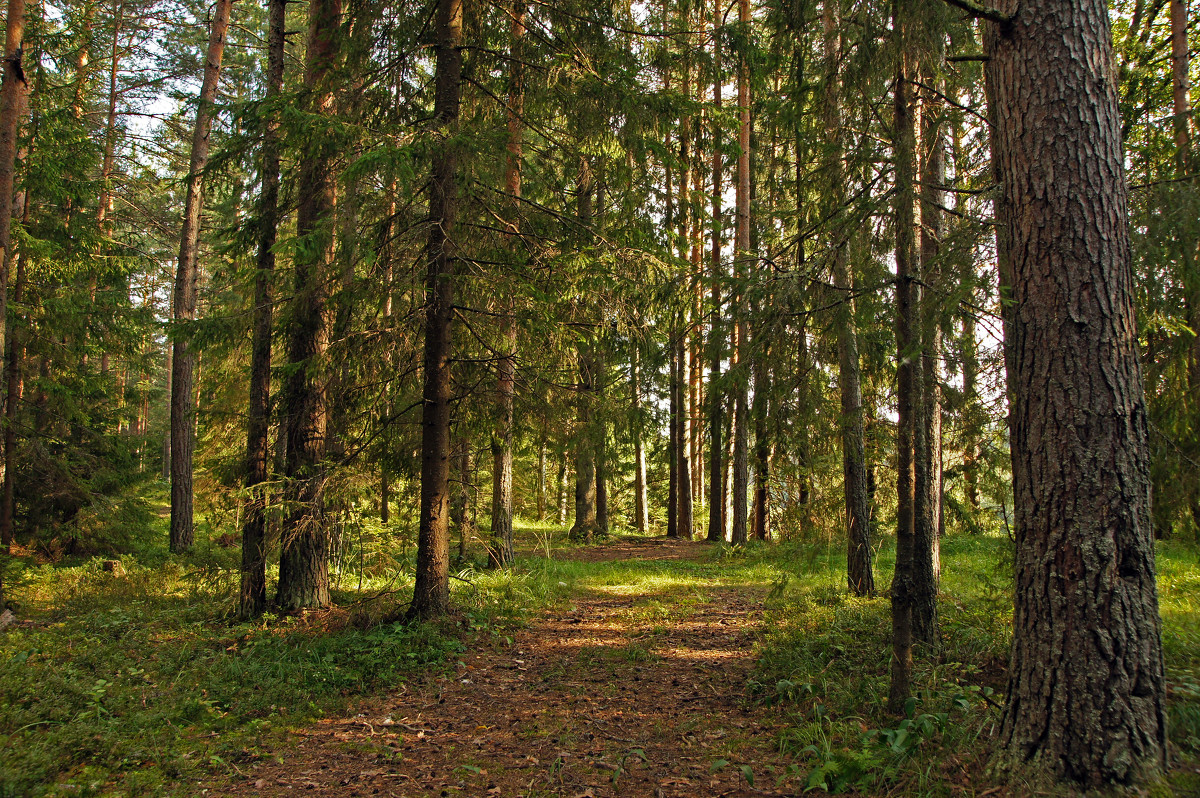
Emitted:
<point x="908" y="358"/>
<point x="501" y="551"/>
<point x="304" y="551"/>
<point x="431" y="594"/>
<point x="716" y="339"/>
<point x="585" y="527"/>
<point x="741" y="420"/>
<point x="640" y="515"/>
<point x="860" y="576"/>
<point x="1086" y="685"/>
<point x="253" y="594"/>
<point x="187" y="292"/>
<point x="927" y="510"/>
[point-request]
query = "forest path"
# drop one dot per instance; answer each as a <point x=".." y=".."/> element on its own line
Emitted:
<point x="623" y="692"/>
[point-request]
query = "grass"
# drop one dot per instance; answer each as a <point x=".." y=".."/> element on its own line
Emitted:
<point x="142" y="685"/>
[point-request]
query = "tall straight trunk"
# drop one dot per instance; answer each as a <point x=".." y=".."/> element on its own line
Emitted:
<point x="684" y="519"/>
<point x="860" y="575"/>
<point x="681" y="399"/>
<point x="674" y="412"/>
<point x="561" y="488"/>
<point x="716" y="340"/>
<point x="927" y="511"/>
<point x="744" y="258"/>
<point x="762" y="448"/>
<point x="1086" y="687"/>
<point x="602" y="507"/>
<point x="640" y="516"/>
<point x="253" y="595"/>
<point x="187" y="291"/>
<point x="431" y="593"/>
<point x="462" y="508"/>
<point x="1180" y="84"/>
<point x="541" y="480"/>
<point x="501" y="551"/>
<point x="908" y="359"/>
<point x="304" y="550"/>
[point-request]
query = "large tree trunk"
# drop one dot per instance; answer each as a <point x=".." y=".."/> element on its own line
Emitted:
<point x="741" y="420"/>
<point x="501" y="551"/>
<point x="431" y="594"/>
<point x="253" y="596"/>
<point x="908" y="358"/>
<point x="1086" y="686"/>
<point x="927" y="511"/>
<point x="187" y="292"/>
<point x="304" y="553"/>
<point x="585" y="526"/>
<point x="716" y="339"/>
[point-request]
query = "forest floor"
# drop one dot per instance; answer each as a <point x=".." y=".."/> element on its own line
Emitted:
<point x="613" y="693"/>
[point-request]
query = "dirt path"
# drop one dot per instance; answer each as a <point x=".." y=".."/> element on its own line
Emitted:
<point x="613" y="695"/>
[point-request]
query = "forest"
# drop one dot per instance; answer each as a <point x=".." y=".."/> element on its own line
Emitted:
<point x="449" y="397"/>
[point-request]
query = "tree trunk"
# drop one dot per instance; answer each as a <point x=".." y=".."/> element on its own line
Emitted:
<point x="640" y="515"/>
<point x="908" y="358"/>
<point x="304" y="552"/>
<point x="501" y="551"/>
<point x="762" y="448"/>
<point x="431" y="594"/>
<point x="1086" y="686"/>
<point x="561" y="493"/>
<point x="253" y="596"/>
<point x="187" y="292"/>
<point x="541" y="480"/>
<point x="860" y="575"/>
<point x="462" y="505"/>
<point x="741" y="420"/>
<point x="684" y="517"/>
<point x="716" y="339"/>
<point x="585" y="527"/>
<point x="927" y="511"/>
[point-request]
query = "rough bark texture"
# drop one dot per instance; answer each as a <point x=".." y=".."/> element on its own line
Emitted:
<point x="907" y="387"/>
<point x="1086" y="685"/>
<point x="431" y="593"/>
<point x="860" y="576"/>
<point x="13" y="89"/>
<point x="462" y="505"/>
<point x="927" y="510"/>
<point x="304" y="539"/>
<point x="187" y="291"/>
<point x="716" y="338"/>
<point x="253" y="594"/>
<point x="741" y="411"/>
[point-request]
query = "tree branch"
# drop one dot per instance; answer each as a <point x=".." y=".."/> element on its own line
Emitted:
<point x="983" y="12"/>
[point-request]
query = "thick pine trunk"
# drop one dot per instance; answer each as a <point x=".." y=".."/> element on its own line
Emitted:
<point x="304" y="550"/>
<point x="431" y="593"/>
<point x="908" y="358"/>
<point x="253" y="594"/>
<point x="1086" y="686"/>
<point x="187" y="292"/>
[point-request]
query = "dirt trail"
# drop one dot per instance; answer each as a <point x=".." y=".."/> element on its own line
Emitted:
<point x="609" y="696"/>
